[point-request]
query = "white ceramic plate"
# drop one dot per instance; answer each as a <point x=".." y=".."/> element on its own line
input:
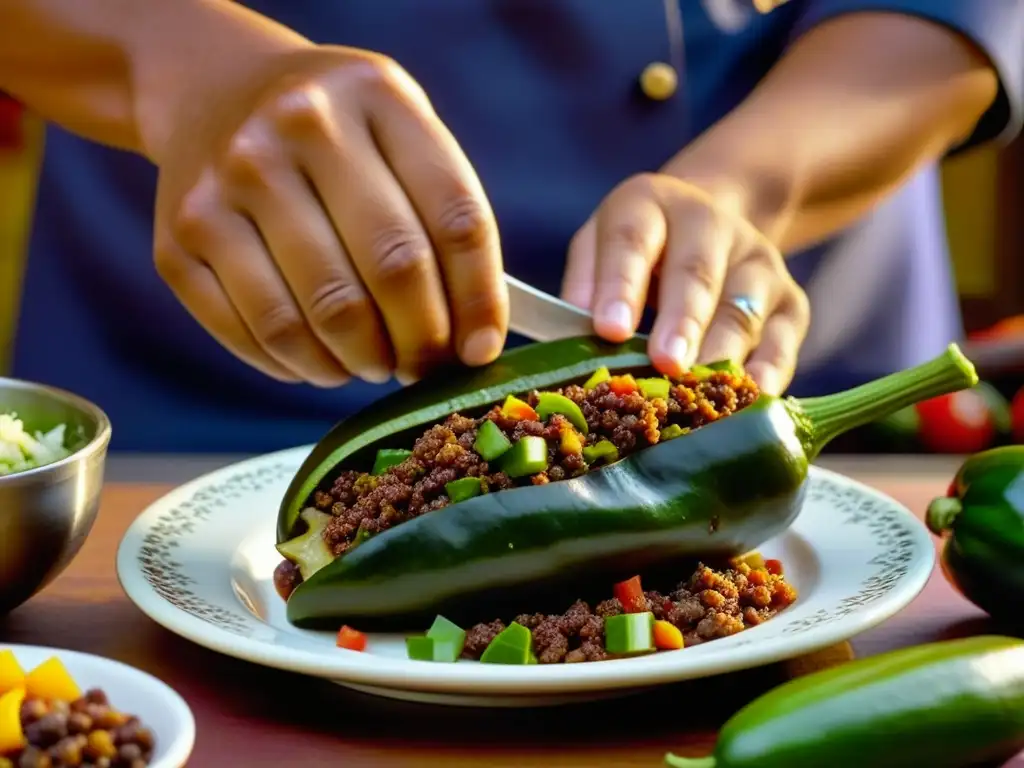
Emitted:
<point x="200" y="562"/>
<point x="129" y="690"/>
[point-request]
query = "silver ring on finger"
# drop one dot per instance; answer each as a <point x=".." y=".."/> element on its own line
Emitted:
<point x="750" y="307"/>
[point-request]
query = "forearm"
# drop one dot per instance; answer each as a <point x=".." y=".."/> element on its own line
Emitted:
<point x="854" y="108"/>
<point x="117" y="71"/>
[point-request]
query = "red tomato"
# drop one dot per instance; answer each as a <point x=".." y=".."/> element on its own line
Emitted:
<point x="631" y="595"/>
<point x="960" y="422"/>
<point x="351" y="639"/>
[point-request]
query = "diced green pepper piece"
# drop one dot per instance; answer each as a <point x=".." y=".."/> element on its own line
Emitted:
<point x="388" y="458"/>
<point x="701" y="371"/>
<point x="490" y="441"/>
<point x="673" y="430"/>
<point x="601" y="374"/>
<point x="652" y="388"/>
<point x="727" y="365"/>
<point x="514" y="645"/>
<point x="550" y="403"/>
<point x="629" y="633"/>
<point x="361" y="535"/>
<point x="449" y="634"/>
<point x="601" y="450"/>
<point x="527" y="456"/>
<point x="308" y="550"/>
<point x="420" y="648"/>
<point x="463" y="488"/>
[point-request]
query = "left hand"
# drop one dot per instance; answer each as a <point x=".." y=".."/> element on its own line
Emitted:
<point x="657" y="239"/>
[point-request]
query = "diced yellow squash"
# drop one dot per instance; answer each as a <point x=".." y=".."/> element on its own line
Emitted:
<point x="51" y="680"/>
<point x="12" y="738"/>
<point x="11" y="674"/>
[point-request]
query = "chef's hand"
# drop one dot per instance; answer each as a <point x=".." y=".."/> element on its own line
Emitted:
<point x="661" y="241"/>
<point x="324" y="224"/>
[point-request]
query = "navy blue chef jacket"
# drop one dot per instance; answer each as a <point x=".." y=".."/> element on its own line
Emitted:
<point x="542" y="95"/>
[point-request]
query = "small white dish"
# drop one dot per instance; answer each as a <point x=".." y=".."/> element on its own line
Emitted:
<point x="129" y="690"/>
<point x="200" y="562"/>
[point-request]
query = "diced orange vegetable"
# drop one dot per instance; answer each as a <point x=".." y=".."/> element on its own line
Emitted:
<point x="623" y="385"/>
<point x="514" y="408"/>
<point x="12" y="738"/>
<point x="631" y="595"/>
<point x="51" y="680"/>
<point x="667" y="637"/>
<point x="11" y="674"/>
<point x="773" y="567"/>
<point x="351" y="639"/>
<point x="571" y="442"/>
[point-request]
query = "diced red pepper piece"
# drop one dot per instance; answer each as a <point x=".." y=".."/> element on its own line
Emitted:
<point x="623" y="385"/>
<point x="514" y="408"/>
<point x="631" y="595"/>
<point x="351" y="639"/>
<point x="667" y="637"/>
<point x="773" y="567"/>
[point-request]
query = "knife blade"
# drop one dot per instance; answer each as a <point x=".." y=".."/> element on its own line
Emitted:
<point x="543" y="317"/>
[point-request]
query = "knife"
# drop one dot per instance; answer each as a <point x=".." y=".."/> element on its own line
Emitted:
<point x="543" y="317"/>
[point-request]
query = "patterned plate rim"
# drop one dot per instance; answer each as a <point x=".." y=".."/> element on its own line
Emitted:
<point x="144" y="561"/>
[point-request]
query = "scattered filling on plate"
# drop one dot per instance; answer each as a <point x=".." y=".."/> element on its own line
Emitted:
<point x="20" y="450"/>
<point x="46" y="721"/>
<point x="544" y="437"/>
<point x="711" y="604"/>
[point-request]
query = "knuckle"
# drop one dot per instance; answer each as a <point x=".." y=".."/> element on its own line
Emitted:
<point x="337" y="305"/>
<point x="400" y="255"/>
<point x="302" y="111"/>
<point x="799" y="305"/>
<point x="464" y="224"/>
<point x="191" y="223"/>
<point x="696" y="273"/>
<point x="642" y="183"/>
<point x="248" y="161"/>
<point x="278" y="328"/>
<point x="629" y="236"/>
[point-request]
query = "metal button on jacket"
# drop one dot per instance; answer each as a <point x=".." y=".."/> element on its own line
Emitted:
<point x="659" y="81"/>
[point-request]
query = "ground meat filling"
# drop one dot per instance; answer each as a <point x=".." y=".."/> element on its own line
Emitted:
<point x="363" y="504"/>
<point x="712" y="603"/>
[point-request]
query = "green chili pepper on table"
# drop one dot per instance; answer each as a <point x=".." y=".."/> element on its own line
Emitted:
<point x="943" y="705"/>
<point x="982" y="522"/>
<point x="720" y="490"/>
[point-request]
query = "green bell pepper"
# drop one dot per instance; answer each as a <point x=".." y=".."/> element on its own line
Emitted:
<point x="652" y="388"/>
<point x="544" y="546"/>
<point x="942" y="705"/>
<point x="602" y="450"/>
<point x="629" y="633"/>
<point x="527" y="456"/>
<point x="981" y="520"/>
<point x="444" y="641"/>
<point x="490" y="441"/>
<point x="513" y="645"/>
<point x="388" y="458"/>
<point x="463" y="488"/>
<point x="550" y="403"/>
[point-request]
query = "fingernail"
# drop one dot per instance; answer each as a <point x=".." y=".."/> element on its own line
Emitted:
<point x="375" y="375"/>
<point x="618" y="314"/>
<point x="481" y="346"/>
<point x="678" y="348"/>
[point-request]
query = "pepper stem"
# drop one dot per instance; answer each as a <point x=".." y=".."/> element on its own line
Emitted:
<point x="690" y="762"/>
<point x="941" y="514"/>
<point x="822" y="419"/>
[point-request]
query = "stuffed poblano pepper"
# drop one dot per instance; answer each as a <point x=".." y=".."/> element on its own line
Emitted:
<point x="982" y="521"/>
<point x="560" y="467"/>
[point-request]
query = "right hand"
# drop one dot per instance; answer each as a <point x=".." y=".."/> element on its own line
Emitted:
<point x="323" y="224"/>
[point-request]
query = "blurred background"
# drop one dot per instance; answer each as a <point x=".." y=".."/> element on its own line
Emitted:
<point x="983" y="195"/>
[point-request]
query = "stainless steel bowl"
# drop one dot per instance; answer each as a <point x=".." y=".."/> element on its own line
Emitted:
<point x="47" y="512"/>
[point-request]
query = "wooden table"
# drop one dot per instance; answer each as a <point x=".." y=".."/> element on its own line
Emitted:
<point x="250" y="716"/>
